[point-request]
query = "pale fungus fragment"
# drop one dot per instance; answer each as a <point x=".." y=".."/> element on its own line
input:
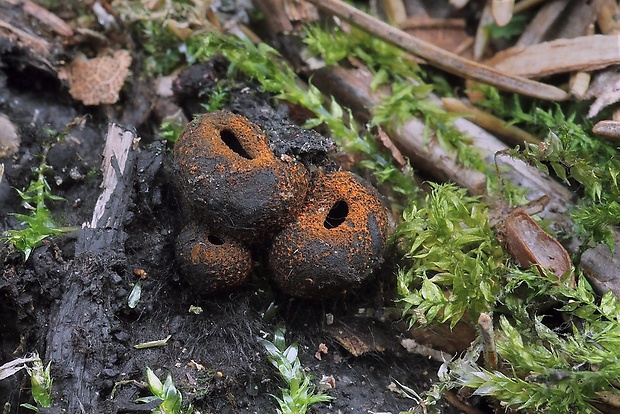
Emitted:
<point x="98" y="80"/>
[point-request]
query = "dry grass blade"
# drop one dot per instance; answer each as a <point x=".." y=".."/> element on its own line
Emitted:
<point x="540" y="25"/>
<point x="502" y="11"/>
<point x="395" y="10"/>
<point x="525" y="4"/>
<point x="481" y="41"/>
<point x="438" y="57"/>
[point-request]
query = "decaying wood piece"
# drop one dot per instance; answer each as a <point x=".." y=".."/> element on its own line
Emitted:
<point x="439" y="57"/>
<point x="84" y="318"/>
<point x="585" y="53"/>
<point x="103" y="234"/>
<point x="24" y="40"/>
<point x="35" y="46"/>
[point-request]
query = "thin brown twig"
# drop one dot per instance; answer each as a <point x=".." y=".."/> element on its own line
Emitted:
<point x="430" y="23"/>
<point x="511" y="133"/>
<point x="439" y="57"/>
<point x="454" y="400"/>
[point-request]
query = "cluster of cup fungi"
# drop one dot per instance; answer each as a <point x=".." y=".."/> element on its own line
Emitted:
<point x="324" y="232"/>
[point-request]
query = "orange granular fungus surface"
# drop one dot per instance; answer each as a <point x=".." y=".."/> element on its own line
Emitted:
<point x="330" y="189"/>
<point x="210" y="267"/>
<point x="205" y="133"/>
<point x="225" y="166"/>
<point x="311" y="258"/>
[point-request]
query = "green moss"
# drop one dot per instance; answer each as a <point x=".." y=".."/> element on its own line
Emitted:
<point x="453" y="268"/>
<point x="447" y="245"/>
<point x="38" y="225"/>
<point x="571" y="153"/>
<point x="299" y="393"/>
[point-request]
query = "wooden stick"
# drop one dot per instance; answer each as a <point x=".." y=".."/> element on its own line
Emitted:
<point x="491" y="359"/>
<point x="439" y="57"/>
<point x="115" y="155"/>
<point x="511" y="133"/>
<point x="83" y="318"/>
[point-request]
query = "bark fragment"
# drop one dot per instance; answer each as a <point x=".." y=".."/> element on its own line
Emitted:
<point x="83" y="320"/>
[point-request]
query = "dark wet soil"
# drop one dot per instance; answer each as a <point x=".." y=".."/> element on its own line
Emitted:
<point x="68" y="302"/>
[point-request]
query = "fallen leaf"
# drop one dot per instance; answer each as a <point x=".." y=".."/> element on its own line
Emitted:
<point x="387" y="143"/>
<point x="449" y="34"/>
<point x="529" y="244"/>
